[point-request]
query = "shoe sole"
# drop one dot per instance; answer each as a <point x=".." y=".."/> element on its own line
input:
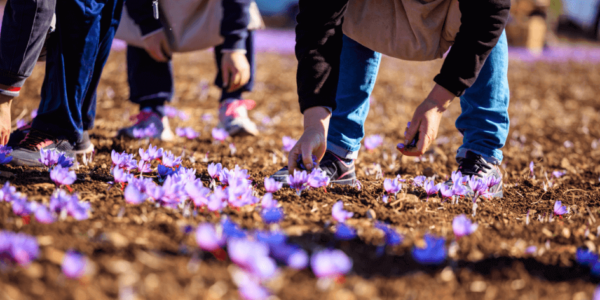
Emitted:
<point x="87" y="150"/>
<point x="242" y="131"/>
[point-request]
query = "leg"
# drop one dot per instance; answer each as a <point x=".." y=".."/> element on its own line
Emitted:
<point x="358" y="72"/>
<point x="151" y="83"/>
<point x="484" y="120"/>
<point x="250" y="56"/>
<point x="84" y="32"/>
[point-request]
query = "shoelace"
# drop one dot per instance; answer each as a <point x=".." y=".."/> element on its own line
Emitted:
<point x="35" y="140"/>
<point x="142" y="116"/>
<point x="232" y="107"/>
<point x="472" y="166"/>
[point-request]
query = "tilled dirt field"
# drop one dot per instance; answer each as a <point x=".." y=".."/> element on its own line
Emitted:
<point x="143" y="251"/>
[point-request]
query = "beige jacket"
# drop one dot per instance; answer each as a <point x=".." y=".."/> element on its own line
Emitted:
<point x="407" y="29"/>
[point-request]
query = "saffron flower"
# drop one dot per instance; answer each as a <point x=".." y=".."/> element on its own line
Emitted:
<point x="385" y="198"/>
<point x="74" y="264"/>
<point x="430" y="188"/>
<point x="170" y="160"/>
<point x="144" y="167"/>
<point x="457" y="178"/>
<point x="558" y="174"/>
<point x="65" y="161"/>
<point x="271" y="185"/>
<point x="133" y="195"/>
<point x="219" y="134"/>
<point x="330" y="263"/>
<point x="586" y="257"/>
<point x="392" y="237"/>
<point x="164" y="171"/>
<point x="171" y="111"/>
<point x="373" y="141"/>
<point x="419" y="180"/>
<point x="272" y="215"/>
<point x="152" y="153"/>
<point x="120" y="160"/>
<point x="187" y="132"/>
<point x="392" y="186"/>
<point x="43" y="215"/>
<point x="48" y="158"/>
<point x="8" y="192"/>
<point x="531" y="174"/>
<point x="207" y="237"/>
<point x="463" y="226"/>
<point x="298" y="181"/>
<point x="5" y="159"/>
<point x="446" y="191"/>
<point x="434" y="252"/>
<point x="18" y="247"/>
<point x="214" y="170"/>
<point x="268" y="201"/>
<point x="251" y="256"/>
<point x="250" y="290"/>
<point x="197" y="192"/>
<point x="339" y="214"/>
<point x="559" y="209"/>
<point x="145" y="132"/>
<point x="491" y="181"/>
<point x="121" y="176"/>
<point x="317" y="179"/>
<point x="5" y="149"/>
<point x="288" y="143"/>
<point x="344" y="232"/>
<point x="62" y="176"/>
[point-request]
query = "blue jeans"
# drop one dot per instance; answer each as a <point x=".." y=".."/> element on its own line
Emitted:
<point x="76" y="55"/>
<point x="151" y="82"/>
<point x="484" y="119"/>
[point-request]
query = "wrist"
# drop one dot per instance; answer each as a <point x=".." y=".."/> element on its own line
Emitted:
<point x="316" y="117"/>
<point x="440" y="97"/>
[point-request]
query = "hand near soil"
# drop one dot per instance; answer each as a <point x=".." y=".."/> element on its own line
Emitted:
<point x="5" y="119"/>
<point x="157" y="46"/>
<point x="235" y="69"/>
<point x="427" y="117"/>
<point x="314" y="139"/>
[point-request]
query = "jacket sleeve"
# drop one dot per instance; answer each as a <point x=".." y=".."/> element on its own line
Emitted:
<point x="318" y="49"/>
<point x="482" y="24"/>
<point x="234" y="25"/>
<point x="141" y="12"/>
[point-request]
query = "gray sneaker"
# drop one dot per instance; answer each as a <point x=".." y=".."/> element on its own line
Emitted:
<point x="475" y="165"/>
<point x="148" y="124"/>
<point x="233" y="117"/>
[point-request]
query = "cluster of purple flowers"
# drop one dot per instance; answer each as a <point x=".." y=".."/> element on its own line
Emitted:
<point x="187" y="132"/>
<point x="302" y="180"/>
<point x="392" y="187"/>
<point x="219" y="134"/>
<point x="64" y="204"/>
<point x="373" y="141"/>
<point x="145" y="132"/>
<point x="4" y="154"/>
<point x="462" y="226"/>
<point x="173" y="112"/>
<point x="62" y="176"/>
<point x="18" y="248"/>
<point x="51" y="158"/>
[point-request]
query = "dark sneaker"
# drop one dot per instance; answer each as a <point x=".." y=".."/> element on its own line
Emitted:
<point x="83" y="147"/>
<point x="340" y="171"/>
<point x="148" y="124"/>
<point x="475" y="165"/>
<point x="233" y="117"/>
<point x="27" y="152"/>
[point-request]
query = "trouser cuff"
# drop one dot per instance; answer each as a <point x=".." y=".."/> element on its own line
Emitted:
<point x="341" y="152"/>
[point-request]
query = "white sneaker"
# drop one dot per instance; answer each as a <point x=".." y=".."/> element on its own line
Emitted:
<point x="233" y="117"/>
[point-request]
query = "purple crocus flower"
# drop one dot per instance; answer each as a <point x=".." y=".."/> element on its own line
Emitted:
<point x="187" y="132"/>
<point x="271" y="185"/>
<point x="164" y="171"/>
<point x="392" y="237"/>
<point x="34" y="113"/>
<point x="491" y="181"/>
<point x="5" y="159"/>
<point x="170" y="160"/>
<point x="586" y="257"/>
<point x="65" y="161"/>
<point x="531" y="174"/>
<point x="459" y="190"/>
<point x="317" y="179"/>
<point x="219" y="134"/>
<point x="478" y="185"/>
<point x="392" y="186"/>
<point x="430" y="188"/>
<point x="457" y="177"/>
<point x="8" y="192"/>
<point x="214" y="170"/>
<point x="18" y="247"/>
<point x="288" y="143"/>
<point x="48" y="157"/>
<point x="558" y="174"/>
<point x="251" y="256"/>
<point x="298" y="180"/>
<point x="446" y="191"/>
<point x="197" y="192"/>
<point x="344" y="232"/>
<point x="21" y="207"/>
<point x="268" y="201"/>
<point x="419" y="180"/>
<point x="339" y="214"/>
<point x="144" y="167"/>
<point x="207" y="237"/>
<point x="43" y="215"/>
<point x="171" y="111"/>
<point x="5" y="149"/>
<point x="434" y="252"/>
<point x="330" y="263"/>
<point x="74" y="264"/>
<point x="78" y="210"/>
<point x="373" y="141"/>
<point x="250" y="290"/>
<point x="120" y="160"/>
<point x="216" y="201"/>
<point x="133" y="195"/>
<point x="21" y="123"/>
<point x="152" y="153"/>
<point x="272" y="215"/>
<point x="463" y="226"/>
<point x="121" y="175"/>
<point x="182" y="115"/>
<point x="559" y="209"/>
<point x="62" y="176"/>
<point x="385" y="198"/>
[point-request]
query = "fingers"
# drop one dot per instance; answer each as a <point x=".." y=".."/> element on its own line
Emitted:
<point x="236" y="79"/>
<point x="156" y="53"/>
<point x="166" y="49"/>
<point x="245" y="77"/>
<point x="292" y="157"/>
<point x="424" y="139"/>
<point x="412" y="129"/>
<point x="307" y="156"/>
<point x="225" y="74"/>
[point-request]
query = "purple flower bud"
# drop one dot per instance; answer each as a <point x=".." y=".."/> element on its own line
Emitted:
<point x="271" y="185"/>
<point x="219" y="134"/>
<point x="317" y="179"/>
<point x="288" y="143"/>
<point x="419" y="180"/>
<point x="373" y="141"/>
<point x="330" y="263"/>
<point x="463" y="226"/>
<point x="214" y="170"/>
<point x="121" y="175"/>
<point x="268" y="201"/>
<point x="430" y="188"/>
<point x="62" y="176"/>
<point x="392" y="186"/>
<point x="74" y="264"/>
<point x="170" y="160"/>
<point x="339" y="214"/>
<point x="207" y="237"/>
<point x="531" y="169"/>
<point x="48" y="157"/>
<point x="558" y="174"/>
<point x="43" y="215"/>
<point x="133" y="195"/>
<point x="559" y="209"/>
<point x="298" y="180"/>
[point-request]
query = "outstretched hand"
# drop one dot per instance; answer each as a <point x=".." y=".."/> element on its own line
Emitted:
<point x="235" y="69"/>
<point x="157" y="46"/>
<point x="313" y="140"/>
<point x="427" y="117"/>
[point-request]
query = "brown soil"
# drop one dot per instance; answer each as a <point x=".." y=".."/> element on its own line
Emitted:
<point x="143" y="250"/>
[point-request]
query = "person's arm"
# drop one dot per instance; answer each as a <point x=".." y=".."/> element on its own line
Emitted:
<point x="234" y="25"/>
<point x="482" y="23"/>
<point x="318" y="49"/>
<point x="142" y="13"/>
